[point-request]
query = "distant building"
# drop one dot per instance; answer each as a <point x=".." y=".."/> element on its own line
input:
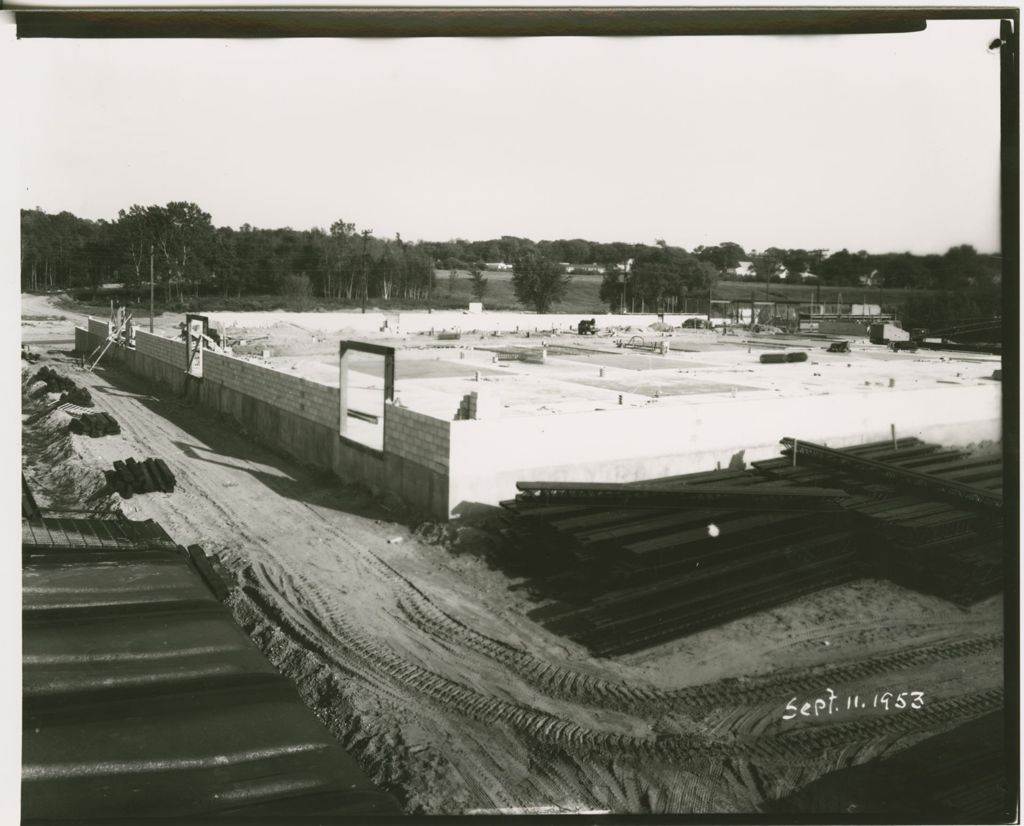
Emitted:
<point x="497" y="266"/>
<point x="744" y="269"/>
<point x="587" y="269"/>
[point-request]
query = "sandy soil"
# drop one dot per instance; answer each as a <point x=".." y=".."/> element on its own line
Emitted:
<point x="418" y="655"/>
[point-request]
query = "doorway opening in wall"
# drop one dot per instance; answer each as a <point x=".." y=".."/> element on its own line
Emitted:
<point x="366" y="381"/>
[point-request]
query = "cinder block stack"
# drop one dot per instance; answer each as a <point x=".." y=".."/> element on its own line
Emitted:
<point x="477" y="406"/>
<point x="467" y="407"/>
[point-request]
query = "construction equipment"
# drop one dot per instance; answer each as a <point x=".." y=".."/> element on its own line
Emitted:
<point x="587" y="327"/>
<point x="640" y="343"/>
<point x="839" y="347"/>
<point x="884" y="333"/>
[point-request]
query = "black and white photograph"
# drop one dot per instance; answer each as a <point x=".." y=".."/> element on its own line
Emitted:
<point x="514" y="413"/>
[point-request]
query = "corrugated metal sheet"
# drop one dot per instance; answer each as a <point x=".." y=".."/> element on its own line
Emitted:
<point x="960" y="776"/>
<point x="143" y="697"/>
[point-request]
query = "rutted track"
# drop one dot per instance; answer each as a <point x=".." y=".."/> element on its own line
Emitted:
<point x="546" y="676"/>
<point x="803" y="740"/>
<point x="569" y="684"/>
<point x="337" y="640"/>
<point x="759" y="689"/>
<point x="388" y="637"/>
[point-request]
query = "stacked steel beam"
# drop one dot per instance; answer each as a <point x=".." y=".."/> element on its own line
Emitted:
<point x="624" y="577"/>
<point x="930" y="518"/>
<point x="623" y="567"/>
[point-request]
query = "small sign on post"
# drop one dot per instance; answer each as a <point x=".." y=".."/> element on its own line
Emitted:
<point x="196" y="327"/>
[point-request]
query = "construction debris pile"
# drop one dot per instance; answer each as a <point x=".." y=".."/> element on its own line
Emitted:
<point x="621" y="567"/>
<point x="57" y="383"/>
<point x="94" y="425"/>
<point x="130" y="477"/>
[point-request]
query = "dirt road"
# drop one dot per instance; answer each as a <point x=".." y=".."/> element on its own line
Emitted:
<point x="421" y="660"/>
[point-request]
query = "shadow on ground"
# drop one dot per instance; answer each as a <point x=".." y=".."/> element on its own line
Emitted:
<point x="217" y="440"/>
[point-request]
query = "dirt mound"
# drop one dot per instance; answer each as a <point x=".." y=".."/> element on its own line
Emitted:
<point x="59" y="480"/>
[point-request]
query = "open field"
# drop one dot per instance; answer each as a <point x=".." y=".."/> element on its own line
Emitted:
<point x="416" y="649"/>
<point x="582" y="296"/>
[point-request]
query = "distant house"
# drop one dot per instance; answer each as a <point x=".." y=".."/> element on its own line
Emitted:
<point x="745" y="269"/>
<point x="497" y="266"/>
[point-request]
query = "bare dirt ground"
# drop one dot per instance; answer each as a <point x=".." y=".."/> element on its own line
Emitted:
<point x="419" y="656"/>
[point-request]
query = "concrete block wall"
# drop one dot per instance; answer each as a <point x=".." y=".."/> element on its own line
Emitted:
<point x="488" y="457"/>
<point x="299" y="418"/>
<point x="302" y="397"/>
<point x="167" y="350"/>
<point x="417" y="437"/>
<point x="98" y="328"/>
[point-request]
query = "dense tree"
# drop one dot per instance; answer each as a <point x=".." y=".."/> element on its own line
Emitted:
<point x="768" y="264"/>
<point x="343" y="263"/>
<point x="478" y="285"/>
<point x="183" y="235"/>
<point x="844" y="268"/>
<point x="722" y="257"/>
<point x="796" y="262"/>
<point x="537" y="281"/>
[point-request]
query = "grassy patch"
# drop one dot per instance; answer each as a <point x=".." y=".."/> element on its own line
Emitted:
<point x="582" y="296"/>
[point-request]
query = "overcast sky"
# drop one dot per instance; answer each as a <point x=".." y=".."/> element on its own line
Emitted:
<point x="877" y="142"/>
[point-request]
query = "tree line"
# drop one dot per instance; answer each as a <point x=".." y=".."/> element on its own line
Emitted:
<point x="190" y="257"/>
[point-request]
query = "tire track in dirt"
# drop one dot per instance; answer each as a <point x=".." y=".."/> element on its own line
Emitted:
<point x="550" y="678"/>
<point x="162" y="436"/>
<point x="321" y="629"/>
<point x="759" y="689"/>
<point x="817" y="739"/>
<point x="337" y="639"/>
<point x="579" y="687"/>
<point x="343" y="642"/>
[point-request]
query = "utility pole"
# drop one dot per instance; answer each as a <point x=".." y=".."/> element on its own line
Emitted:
<point x="151" y="288"/>
<point x="366" y="234"/>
